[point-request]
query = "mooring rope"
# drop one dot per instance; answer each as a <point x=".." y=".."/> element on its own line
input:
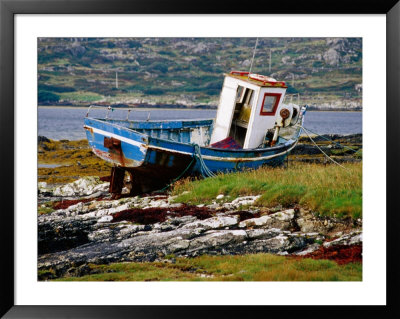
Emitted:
<point x="180" y="175"/>
<point x="305" y="131"/>
<point x="330" y="140"/>
<point x="205" y="171"/>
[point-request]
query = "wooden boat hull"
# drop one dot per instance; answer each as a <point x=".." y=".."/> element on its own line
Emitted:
<point x="153" y="162"/>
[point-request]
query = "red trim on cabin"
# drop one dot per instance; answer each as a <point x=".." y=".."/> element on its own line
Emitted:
<point x="263" y="79"/>
<point x="278" y="98"/>
<point x="241" y="73"/>
<point x="259" y="78"/>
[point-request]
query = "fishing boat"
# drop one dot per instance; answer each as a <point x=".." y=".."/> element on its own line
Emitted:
<point x="253" y="127"/>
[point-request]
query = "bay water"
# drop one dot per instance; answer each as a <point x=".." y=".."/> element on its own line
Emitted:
<point x="67" y="122"/>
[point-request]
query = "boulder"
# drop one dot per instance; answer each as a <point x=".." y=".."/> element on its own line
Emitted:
<point x="241" y="201"/>
<point x="43" y="139"/>
<point x="213" y="239"/>
<point x="77" y="50"/>
<point x="214" y="222"/>
<point x="81" y="187"/>
<point x="353" y="238"/>
<point x="263" y="233"/>
<point x="252" y="222"/>
<point x="246" y="63"/>
<point x="331" y="57"/>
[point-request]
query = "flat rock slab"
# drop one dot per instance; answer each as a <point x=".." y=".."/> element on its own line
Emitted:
<point x="87" y="232"/>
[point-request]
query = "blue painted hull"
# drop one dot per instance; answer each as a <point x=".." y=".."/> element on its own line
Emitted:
<point x="156" y="153"/>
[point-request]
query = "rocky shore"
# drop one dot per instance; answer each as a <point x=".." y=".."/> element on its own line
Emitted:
<point x="79" y="223"/>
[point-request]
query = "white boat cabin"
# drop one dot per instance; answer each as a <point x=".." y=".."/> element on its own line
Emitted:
<point x="249" y="106"/>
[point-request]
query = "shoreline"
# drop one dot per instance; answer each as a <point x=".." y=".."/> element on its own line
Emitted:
<point x="168" y="108"/>
<point x="123" y="108"/>
<point x="74" y="157"/>
<point x="301" y="135"/>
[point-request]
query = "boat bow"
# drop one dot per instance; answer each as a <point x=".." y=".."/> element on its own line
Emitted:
<point x="116" y="144"/>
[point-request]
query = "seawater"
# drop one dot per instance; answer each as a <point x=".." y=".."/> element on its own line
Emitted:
<point x="67" y="123"/>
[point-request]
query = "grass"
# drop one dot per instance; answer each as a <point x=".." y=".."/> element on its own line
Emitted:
<point x="254" y="267"/>
<point x="327" y="190"/>
<point x="44" y="209"/>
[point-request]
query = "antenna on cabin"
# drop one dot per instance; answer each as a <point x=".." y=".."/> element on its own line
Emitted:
<point x="252" y="59"/>
<point x="270" y="54"/>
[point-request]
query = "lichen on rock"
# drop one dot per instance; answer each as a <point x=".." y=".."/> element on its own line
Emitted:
<point x="102" y="230"/>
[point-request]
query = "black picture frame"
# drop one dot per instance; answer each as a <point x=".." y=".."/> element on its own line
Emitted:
<point x="9" y="8"/>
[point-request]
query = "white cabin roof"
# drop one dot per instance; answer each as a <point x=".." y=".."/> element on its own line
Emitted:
<point x="257" y="79"/>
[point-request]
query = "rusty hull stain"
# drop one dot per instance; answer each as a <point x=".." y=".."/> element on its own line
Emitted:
<point x="115" y="154"/>
<point x="112" y="143"/>
<point x="87" y="128"/>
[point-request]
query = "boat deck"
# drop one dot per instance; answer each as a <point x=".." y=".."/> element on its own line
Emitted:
<point x="184" y="131"/>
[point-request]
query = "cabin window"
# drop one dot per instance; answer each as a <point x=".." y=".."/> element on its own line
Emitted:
<point x="270" y="103"/>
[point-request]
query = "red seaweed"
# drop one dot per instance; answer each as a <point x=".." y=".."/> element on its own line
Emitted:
<point x="153" y="215"/>
<point x="341" y="254"/>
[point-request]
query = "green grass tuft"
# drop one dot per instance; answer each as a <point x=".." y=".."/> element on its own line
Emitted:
<point x="327" y="190"/>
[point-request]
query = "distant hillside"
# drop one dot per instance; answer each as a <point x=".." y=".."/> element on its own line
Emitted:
<point x="327" y="72"/>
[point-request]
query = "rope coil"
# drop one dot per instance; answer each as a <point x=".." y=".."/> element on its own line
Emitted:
<point x="205" y="171"/>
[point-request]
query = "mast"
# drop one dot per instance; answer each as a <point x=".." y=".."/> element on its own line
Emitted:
<point x="270" y="53"/>
<point x="252" y="59"/>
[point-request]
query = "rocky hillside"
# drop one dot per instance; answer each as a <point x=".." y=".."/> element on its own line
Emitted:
<point x="327" y="72"/>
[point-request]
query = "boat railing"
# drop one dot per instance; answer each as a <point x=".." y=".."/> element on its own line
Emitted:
<point x="291" y="96"/>
<point x="98" y="107"/>
<point x="110" y="108"/>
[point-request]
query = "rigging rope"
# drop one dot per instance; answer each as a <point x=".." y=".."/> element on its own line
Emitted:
<point x="328" y="139"/>
<point x="305" y="131"/>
